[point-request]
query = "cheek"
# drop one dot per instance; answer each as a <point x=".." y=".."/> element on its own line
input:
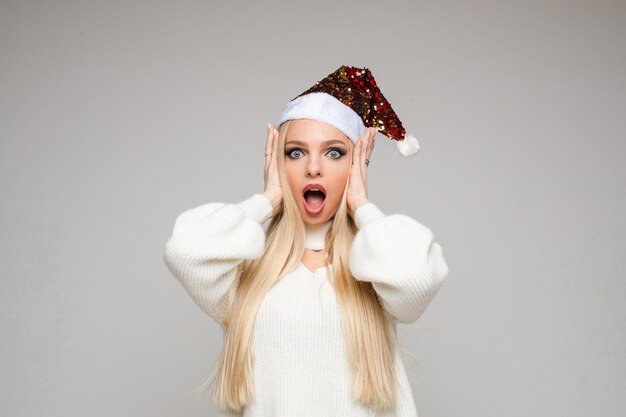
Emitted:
<point x="339" y="178"/>
<point x="292" y="174"/>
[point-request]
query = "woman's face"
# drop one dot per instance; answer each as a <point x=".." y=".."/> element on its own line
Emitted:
<point x="316" y="153"/>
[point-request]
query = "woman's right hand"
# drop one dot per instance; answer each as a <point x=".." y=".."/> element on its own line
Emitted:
<point x="273" y="190"/>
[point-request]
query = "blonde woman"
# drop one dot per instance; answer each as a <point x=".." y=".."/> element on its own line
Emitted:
<point x="309" y="278"/>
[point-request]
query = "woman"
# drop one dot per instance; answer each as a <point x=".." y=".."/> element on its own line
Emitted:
<point x="309" y="304"/>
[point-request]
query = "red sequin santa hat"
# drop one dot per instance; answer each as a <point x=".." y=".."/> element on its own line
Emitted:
<point x="350" y="100"/>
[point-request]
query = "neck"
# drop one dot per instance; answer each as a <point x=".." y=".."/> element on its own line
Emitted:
<point x="315" y="234"/>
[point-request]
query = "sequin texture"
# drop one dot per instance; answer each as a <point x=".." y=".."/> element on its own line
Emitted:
<point x="356" y="88"/>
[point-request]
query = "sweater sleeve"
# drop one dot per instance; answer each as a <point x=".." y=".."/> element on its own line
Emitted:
<point x="209" y="242"/>
<point x="398" y="256"/>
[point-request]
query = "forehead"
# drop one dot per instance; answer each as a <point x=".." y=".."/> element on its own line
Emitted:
<point x="314" y="132"/>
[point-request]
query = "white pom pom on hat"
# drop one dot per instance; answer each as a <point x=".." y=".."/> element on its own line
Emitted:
<point x="409" y="146"/>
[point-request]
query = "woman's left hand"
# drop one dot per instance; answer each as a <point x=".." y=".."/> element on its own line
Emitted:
<point x="357" y="182"/>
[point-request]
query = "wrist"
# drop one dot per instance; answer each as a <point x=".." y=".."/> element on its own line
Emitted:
<point x="360" y="202"/>
<point x="273" y="198"/>
<point x="257" y="207"/>
<point x="367" y="213"/>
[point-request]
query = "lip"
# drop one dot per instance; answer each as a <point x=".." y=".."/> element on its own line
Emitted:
<point x="306" y="207"/>
<point x="314" y="185"/>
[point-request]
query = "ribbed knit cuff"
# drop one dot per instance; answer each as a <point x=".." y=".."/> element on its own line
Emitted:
<point x="368" y="212"/>
<point x="258" y="207"/>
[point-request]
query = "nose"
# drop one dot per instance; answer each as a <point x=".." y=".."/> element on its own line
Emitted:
<point x="313" y="168"/>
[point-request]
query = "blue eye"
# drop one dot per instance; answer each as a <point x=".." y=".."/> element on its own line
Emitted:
<point x="289" y="152"/>
<point x="338" y="153"/>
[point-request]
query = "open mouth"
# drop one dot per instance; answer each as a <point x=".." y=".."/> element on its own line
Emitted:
<point x="314" y="200"/>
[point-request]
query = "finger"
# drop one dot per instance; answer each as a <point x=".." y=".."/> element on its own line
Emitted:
<point x="370" y="148"/>
<point x="274" y="146"/>
<point x="364" y="158"/>
<point x="354" y="152"/>
<point x="368" y="145"/>
<point x="265" y="158"/>
<point x="355" y="156"/>
<point x="355" y="171"/>
<point x="363" y="153"/>
<point x="268" y="145"/>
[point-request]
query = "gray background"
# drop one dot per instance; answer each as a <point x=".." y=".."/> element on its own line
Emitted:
<point x="117" y="116"/>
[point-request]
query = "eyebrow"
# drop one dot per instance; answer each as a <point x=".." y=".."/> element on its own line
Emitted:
<point x="325" y="143"/>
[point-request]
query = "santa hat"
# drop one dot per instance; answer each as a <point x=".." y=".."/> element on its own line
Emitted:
<point x="350" y="100"/>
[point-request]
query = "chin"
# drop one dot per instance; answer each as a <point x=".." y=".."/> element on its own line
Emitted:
<point x="310" y="219"/>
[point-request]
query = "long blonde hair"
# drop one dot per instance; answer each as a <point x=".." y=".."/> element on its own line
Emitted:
<point x="370" y="338"/>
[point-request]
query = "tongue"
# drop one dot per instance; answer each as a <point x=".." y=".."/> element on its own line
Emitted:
<point x="314" y="199"/>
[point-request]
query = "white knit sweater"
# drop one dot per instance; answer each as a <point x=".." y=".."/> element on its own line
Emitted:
<point x="301" y="363"/>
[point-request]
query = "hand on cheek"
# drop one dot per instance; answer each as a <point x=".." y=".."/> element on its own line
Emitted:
<point x="357" y="180"/>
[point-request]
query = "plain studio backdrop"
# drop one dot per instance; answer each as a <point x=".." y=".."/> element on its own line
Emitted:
<point x="115" y="117"/>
